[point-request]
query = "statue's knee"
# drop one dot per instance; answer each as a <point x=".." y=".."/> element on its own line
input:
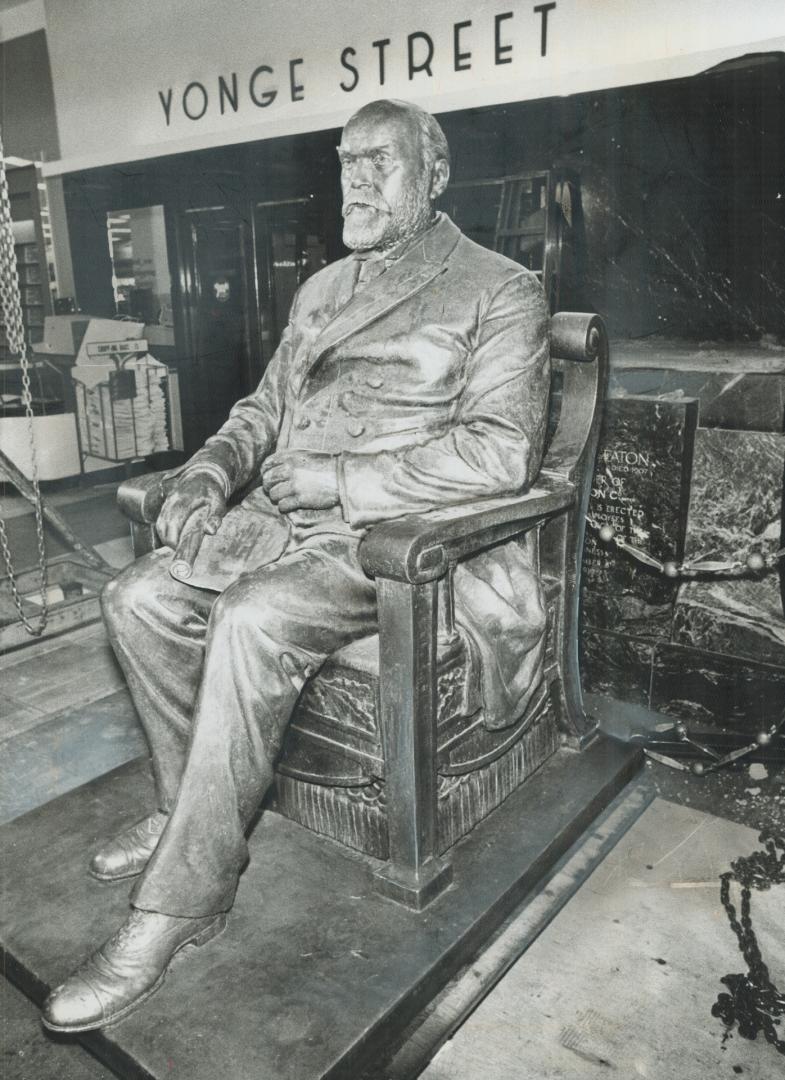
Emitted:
<point x="255" y="618"/>
<point x="233" y="610"/>
<point x="114" y="600"/>
<point x="259" y="605"/>
<point x="126" y="595"/>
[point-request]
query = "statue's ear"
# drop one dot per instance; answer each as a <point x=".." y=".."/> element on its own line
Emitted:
<point x="440" y="175"/>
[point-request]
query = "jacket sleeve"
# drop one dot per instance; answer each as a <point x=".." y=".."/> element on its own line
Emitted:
<point x="238" y="448"/>
<point x="494" y="445"/>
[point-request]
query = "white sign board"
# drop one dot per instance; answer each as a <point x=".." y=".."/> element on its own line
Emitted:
<point x="161" y="76"/>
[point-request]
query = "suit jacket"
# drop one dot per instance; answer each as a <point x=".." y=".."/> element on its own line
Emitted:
<point x="431" y="384"/>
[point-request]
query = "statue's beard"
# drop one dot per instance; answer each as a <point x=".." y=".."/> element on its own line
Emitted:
<point x="374" y="225"/>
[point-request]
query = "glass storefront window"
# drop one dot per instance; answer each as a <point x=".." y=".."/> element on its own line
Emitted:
<point x="140" y="265"/>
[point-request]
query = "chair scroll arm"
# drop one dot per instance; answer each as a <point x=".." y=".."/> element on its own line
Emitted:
<point x="579" y="345"/>
<point x="142" y="497"/>
<point x="421" y="547"/>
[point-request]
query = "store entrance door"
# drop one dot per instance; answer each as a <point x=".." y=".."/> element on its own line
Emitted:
<point x="240" y="276"/>
<point x="220" y="310"/>
<point x="290" y="246"/>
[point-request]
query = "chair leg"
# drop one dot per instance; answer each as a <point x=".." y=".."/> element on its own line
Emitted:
<point x="414" y="875"/>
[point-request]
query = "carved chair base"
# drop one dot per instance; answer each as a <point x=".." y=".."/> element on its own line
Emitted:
<point x="356" y="816"/>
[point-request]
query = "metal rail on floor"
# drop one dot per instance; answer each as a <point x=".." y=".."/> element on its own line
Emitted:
<point x="432" y="1029"/>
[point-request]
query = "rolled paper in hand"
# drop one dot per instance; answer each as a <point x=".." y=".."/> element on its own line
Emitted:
<point x="185" y="556"/>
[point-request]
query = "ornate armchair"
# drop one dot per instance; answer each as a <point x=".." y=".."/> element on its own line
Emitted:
<point x="387" y="751"/>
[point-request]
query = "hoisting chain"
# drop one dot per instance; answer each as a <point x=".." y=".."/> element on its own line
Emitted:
<point x="11" y="302"/>
<point x="756" y="563"/>
<point x="754" y="1002"/>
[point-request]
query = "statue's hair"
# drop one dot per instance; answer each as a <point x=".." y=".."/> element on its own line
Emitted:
<point x="432" y="138"/>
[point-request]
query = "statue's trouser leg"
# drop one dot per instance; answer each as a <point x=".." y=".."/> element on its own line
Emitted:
<point x="158" y="628"/>
<point x="267" y="634"/>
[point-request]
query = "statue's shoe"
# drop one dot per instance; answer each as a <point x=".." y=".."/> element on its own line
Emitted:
<point x="125" y="971"/>
<point x="129" y="852"/>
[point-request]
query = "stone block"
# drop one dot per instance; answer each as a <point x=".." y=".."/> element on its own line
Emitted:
<point x="752" y="401"/>
<point x="735" y="617"/>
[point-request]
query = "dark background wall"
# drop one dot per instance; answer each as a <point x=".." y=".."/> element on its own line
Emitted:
<point x="683" y="195"/>
<point x="683" y="192"/>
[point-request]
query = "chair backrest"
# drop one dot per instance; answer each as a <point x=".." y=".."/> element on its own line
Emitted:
<point x="579" y="353"/>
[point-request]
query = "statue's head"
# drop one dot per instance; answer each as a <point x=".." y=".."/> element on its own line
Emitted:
<point x="395" y="163"/>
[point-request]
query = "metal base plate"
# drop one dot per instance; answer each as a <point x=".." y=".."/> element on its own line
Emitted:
<point x="317" y="975"/>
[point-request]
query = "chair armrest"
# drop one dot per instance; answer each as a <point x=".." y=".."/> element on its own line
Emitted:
<point x="142" y="497"/>
<point x="421" y="547"/>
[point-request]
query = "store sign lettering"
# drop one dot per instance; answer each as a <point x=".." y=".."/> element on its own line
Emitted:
<point x="416" y="53"/>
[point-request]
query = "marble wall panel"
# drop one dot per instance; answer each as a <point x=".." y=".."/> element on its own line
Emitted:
<point x="736" y="617"/>
<point x="736" y="506"/>
<point x="736" y="495"/>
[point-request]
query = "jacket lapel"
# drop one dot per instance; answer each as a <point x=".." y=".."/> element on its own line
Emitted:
<point x="425" y="261"/>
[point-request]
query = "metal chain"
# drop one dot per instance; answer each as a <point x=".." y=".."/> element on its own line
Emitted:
<point x="11" y="301"/>
<point x="755" y="563"/>
<point x="754" y="1002"/>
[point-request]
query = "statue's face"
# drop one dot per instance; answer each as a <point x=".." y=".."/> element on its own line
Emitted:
<point x="386" y="182"/>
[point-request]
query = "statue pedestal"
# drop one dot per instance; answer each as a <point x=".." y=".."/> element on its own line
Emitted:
<point x="316" y="975"/>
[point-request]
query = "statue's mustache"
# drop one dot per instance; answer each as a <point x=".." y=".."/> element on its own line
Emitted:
<point x="350" y="204"/>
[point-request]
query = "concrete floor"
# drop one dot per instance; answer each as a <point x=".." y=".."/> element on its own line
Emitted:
<point x="589" y="990"/>
<point x="66" y="718"/>
<point x="623" y="980"/>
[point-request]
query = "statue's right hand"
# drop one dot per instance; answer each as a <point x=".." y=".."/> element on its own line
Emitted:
<point x="197" y="501"/>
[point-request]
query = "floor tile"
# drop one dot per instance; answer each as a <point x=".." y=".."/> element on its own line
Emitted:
<point x="73" y="672"/>
<point x="35" y="648"/>
<point x="30" y="1054"/>
<point x="79" y="744"/>
<point x="118" y="553"/>
<point x="16" y="717"/>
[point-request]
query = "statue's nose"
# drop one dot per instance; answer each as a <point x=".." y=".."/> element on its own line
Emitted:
<point x="360" y="174"/>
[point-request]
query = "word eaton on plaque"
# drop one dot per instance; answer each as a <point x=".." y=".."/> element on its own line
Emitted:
<point x="414" y="55"/>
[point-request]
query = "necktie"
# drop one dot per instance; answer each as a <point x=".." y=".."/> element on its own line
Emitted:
<point x="369" y="270"/>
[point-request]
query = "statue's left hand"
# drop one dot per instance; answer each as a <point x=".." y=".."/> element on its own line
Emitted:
<point x="301" y="480"/>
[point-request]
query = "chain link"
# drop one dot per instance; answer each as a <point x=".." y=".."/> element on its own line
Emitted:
<point x="756" y="563"/>
<point x="11" y="301"/>
<point x="754" y="1002"/>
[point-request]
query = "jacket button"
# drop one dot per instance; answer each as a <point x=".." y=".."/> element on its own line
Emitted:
<point x="355" y="429"/>
<point x="303" y="422"/>
<point x="375" y="381"/>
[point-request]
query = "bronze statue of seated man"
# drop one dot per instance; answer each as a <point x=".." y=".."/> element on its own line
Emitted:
<point x="413" y="374"/>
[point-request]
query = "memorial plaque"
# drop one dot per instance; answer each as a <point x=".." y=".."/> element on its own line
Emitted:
<point x="641" y="489"/>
